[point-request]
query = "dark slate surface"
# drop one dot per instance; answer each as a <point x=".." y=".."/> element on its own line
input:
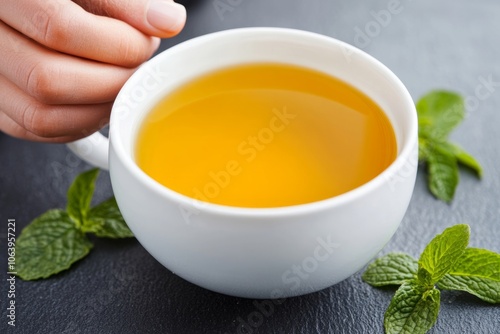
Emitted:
<point x="119" y="288"/>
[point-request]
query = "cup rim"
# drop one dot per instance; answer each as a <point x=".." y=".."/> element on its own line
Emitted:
<point x="184" y="201"/>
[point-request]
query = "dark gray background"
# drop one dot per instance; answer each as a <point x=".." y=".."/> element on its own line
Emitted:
<point x="119" y="288"/>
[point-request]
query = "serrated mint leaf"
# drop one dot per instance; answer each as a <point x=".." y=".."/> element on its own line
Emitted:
<point x="443" y="173"/>
<point x="413" y="310"/>
<point x="439" y="112"/>
<point x="50" y="244"/>
<point x="56" y="239"/>
<point x="476" y="272"/>
<point x="424" y="278"/>
<point x="447" y="262"/>
<point x="466" y="159"/>
<point x="391" y="269"/>
<point x="80" y="195"/>
<point x="444" y="251"/>
<point x="105" y="220"/>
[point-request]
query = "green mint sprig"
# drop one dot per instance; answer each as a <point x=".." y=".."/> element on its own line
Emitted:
<point x="439" y="112"/>
<point x="55" y="240"/>
<point x="446" y="263"/>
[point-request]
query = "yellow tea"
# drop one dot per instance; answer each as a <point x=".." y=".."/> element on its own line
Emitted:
<point x="265" y="135"/>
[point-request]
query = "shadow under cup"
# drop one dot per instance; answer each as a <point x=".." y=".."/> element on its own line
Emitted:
<point x="262" y="253"/>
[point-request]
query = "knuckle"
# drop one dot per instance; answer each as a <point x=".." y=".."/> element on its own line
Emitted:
<point x="40" y="82"/>
<point x="36" y="122"/>
<point x="49" y="26"/>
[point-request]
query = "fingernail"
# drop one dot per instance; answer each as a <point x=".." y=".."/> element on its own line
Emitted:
<point x="166" y="15"/>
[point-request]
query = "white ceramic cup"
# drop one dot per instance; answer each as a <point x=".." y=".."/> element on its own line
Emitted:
<point x="258" y="253"/>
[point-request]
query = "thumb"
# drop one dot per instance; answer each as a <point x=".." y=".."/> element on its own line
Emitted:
<point x="161" y="18"/>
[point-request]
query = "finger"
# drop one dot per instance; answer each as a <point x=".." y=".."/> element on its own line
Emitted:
<point x="44" y="120"/>
<point x="162" y="18"/>
<point x="64" y="26"/>
<point x="13" y="129"/>
<point x="56" y="78"/>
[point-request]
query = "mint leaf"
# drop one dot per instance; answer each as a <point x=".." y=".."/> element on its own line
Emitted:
<point x="476" y="272"/>
<point x="80" y="195"/>
<point x="439" y="112"/>
<point x="423" y="149"/>
<point x="443" y="173"/>
<point x="413" y="310"/>
<point x="105" y="220"/>
<point x="50" y="244"/>
<point x="465" y="158"/>
<point x="391" y="269"/>
<point x="444" y="251"/>
<point x="56" y="239"/>
<point x="447" y="262"/>
<point x="424" y="278"/>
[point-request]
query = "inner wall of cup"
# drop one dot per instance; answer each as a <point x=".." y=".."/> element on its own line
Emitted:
<point x="176" y="66"/>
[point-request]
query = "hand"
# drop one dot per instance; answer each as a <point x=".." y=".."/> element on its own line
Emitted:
<point x="63" y="62"/>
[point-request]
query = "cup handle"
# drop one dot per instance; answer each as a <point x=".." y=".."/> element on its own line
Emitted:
<point x="93" y="149"/>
